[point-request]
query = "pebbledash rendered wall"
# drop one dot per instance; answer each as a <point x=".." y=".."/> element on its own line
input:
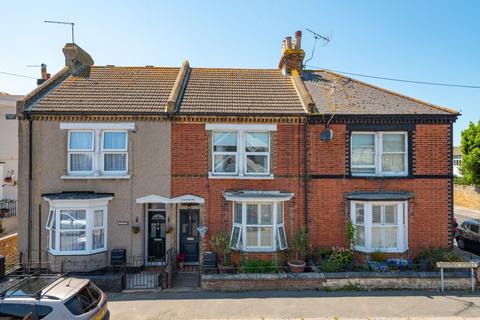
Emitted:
<point x="328" y="182"/>
<point x="149" y="169"/>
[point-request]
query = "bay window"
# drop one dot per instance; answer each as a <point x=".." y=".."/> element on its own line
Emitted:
<point x="258" y="226"/>
<point x="379" y="153"/>
<point x="77" y="227"/>
<point x="380" y="226"/>
<point x="241" y="151"/>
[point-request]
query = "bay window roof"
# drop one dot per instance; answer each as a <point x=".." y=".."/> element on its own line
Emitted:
<point x="380" y="196"/>
<point x="76" y="195"/>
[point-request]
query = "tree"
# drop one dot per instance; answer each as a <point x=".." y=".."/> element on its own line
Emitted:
<point x="471" y="154"/>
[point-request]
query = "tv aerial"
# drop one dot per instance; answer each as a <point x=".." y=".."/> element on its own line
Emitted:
<point x="325" y="40"/>
<point x="67" y="23"/>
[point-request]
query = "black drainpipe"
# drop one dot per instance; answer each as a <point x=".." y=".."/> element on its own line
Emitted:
<point x="305" y="174"/>
<point x="29" y="243"/>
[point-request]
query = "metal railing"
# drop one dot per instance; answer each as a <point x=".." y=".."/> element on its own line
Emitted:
<point x="8" y="208"/>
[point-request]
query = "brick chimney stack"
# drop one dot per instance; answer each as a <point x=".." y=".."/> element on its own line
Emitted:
<point x="44" y="76"/>
<point x="292" y="55"/>
<point x="76" y="57"/>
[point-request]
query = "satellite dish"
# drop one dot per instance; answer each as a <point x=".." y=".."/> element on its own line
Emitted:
<point x="326" y="135"/>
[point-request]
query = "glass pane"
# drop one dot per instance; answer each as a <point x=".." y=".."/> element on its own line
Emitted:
<point x="376" y="238"/>
<point x="393" y="143"/>
<point x="393" y="162"/>
<point x="256" y="141"/>
<point x="115" y="140"/>
<point x="98" y="239"/>
<point x="98" y="218"/>
<point x="237" y="214"/>
<point x="252" y="214"/>
<point x="266" y="239"/>
<point x="361" y="158"/>
<point x="72" y="240"/>
<point x="81" y="162"/>
<point x="73" y="219"/>
<point x="283" y="237"/>
<point x="266" y="216"/>
<point x="157" y="206"/>
<point x="257" y="164"/>
<point x="225" y="141"/>
<point x="225" y="163"/>
<point x="81" y="141"/>
<point x="53" y="237"/>
<point x="359" y="213"/>
<point x="391" y="214"/>
<point x="280" y="212"/>
<point x="252" y="236"/>
<point x="389" y="237"/>
<point x="234" y="237"/>
<point x="376" y="214"/>
<point x="115" y="162"/>
<point x="364" y="141"/>
<point x="360" y="236"/>
<point x="363" y="170"/>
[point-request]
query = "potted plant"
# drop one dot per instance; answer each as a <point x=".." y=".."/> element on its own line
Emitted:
<point x="181" y="260"/>
<point x="299" y="248"/>
<point x="220" y="243"/>
<point x="377" y="262"/>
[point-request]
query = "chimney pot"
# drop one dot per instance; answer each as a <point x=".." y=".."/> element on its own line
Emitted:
<point x="288" y="43"/>
<point x="298" y="40"/>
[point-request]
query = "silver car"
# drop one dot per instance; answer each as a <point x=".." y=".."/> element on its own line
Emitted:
<point x="49" y="297"/>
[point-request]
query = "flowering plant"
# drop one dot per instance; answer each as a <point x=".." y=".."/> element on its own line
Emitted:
<point x="181" y="257"/>
<point x="341" y="255"/>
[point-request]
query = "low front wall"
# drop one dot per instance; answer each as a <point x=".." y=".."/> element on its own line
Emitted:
<point x="8" y="245"/>
<point x="335" y="281"/>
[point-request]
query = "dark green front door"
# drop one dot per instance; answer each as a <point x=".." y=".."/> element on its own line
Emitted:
<point x="156" y="236"/>
<point x="189" y="240"/>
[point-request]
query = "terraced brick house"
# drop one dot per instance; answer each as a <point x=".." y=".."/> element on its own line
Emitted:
<point x="152" y="159"/>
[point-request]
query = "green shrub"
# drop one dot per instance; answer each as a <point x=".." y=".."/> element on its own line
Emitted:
<point x="378" y="256"/>
<point x="258" y="266"/>
<point x="434" y="255"/>
<point x="321" y="253"/>
<point x="332" y="266"/>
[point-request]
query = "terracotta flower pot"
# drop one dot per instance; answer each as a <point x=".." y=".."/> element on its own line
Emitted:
<point x="296" y="266"/>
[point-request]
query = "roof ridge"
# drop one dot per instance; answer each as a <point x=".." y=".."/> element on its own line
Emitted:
<point x="452" y="111"/>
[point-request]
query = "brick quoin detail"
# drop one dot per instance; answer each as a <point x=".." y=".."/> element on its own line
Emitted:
<point x="328" y="210"/>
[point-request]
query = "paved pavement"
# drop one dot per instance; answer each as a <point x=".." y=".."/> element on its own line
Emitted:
<point x="294" y="305"/>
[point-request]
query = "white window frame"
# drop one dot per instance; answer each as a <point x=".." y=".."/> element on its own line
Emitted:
<point x="56" y="206"/>
<point x="80" y="151"/>
<point x="241" y="244"/>
<point x="241" y="154"/>
<point x="248" y="153"/>
<point x="402" y="225"/>
<point x="378" y="138"/>
<point x="104" y="152"/>
<point x="225" y="153"/>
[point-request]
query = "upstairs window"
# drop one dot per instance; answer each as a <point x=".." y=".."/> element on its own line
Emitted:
<point x="225" y="152"/>
<point x="379" y="154"/>
<point x="80" y="152"/>
<point x="241" y="150"/>
<point x="114" y="152"/>
<point x="97" y="150"/>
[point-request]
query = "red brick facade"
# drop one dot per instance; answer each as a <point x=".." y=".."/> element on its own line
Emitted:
<point x="328" y="181"/>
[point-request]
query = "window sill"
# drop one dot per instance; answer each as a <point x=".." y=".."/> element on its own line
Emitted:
<point x="248" y="177"/>
<point x="71" y="177"/>
<point x="359" y="249"/>
<point x="76" y="253"/>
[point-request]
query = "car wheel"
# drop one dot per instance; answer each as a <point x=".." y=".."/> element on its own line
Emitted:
<point x="461" y="243"/>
